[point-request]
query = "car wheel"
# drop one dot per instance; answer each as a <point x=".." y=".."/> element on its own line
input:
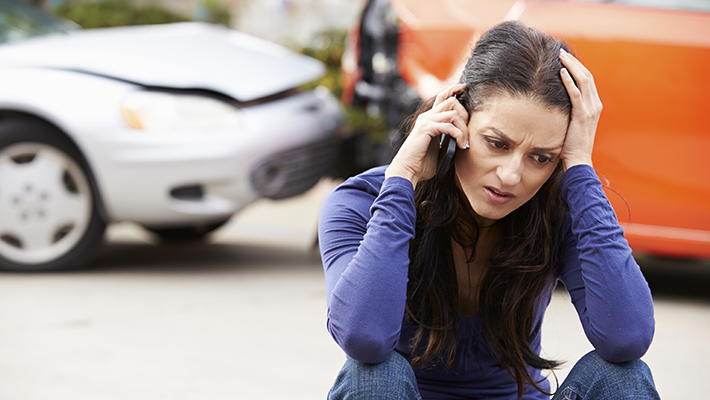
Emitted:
<point x="49" y="219"/>
<point x="187" y="233"/>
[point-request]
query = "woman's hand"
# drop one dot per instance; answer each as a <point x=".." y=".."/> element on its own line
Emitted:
<point x="416" y="159"/>
<point x="586" y="108"/>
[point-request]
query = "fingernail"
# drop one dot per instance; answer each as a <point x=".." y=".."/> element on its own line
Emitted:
<point x="466" y="145"/>
<point x="562" y="52"/>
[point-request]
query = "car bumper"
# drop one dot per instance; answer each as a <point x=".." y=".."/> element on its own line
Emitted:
<point x="173" y="178"/>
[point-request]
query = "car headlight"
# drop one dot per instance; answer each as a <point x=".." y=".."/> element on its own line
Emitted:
<point x="153" y="110"/>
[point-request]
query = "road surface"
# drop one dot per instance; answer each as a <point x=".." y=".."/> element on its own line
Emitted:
<point x="243" y="317"/>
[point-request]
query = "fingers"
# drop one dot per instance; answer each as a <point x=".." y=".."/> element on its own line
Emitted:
<point x="577" y="68"/>
<point x="586" y="109"/>
<point x="584" y="93"/>
<point x="449" y="92"/>
<point x="416" y="158"/>
<point x="447" y="116"/>
<point x="450" y="122"/>
<point x="574" y="93"/>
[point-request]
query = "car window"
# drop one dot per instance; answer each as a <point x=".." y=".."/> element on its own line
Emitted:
<point x="689" y="5"/>
<point x="18" y="22"/>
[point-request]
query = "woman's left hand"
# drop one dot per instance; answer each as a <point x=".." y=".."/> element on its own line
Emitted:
<point x="586" y="108"/>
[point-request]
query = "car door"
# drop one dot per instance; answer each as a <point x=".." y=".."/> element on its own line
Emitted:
<point x="651" y="66"/>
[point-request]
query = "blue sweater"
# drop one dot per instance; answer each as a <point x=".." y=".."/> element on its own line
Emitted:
<point x="365" y="228"/>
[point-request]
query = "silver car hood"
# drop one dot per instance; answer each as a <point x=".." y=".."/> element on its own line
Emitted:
<point x="183" y="55"/>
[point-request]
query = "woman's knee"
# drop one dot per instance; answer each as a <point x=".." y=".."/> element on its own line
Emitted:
<point x="595" y="378"/>
<point x="392" y="379"/>
<point x="635" y="369"/>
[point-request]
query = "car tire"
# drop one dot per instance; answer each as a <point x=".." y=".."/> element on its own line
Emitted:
<point x="187" y="233"/>
<point x="49" y="212"/>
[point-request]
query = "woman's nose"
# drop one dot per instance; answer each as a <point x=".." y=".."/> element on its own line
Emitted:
<point x="510" y="171"/>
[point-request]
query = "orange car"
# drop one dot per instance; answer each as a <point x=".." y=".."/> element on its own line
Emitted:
<point x="651" y="62"/>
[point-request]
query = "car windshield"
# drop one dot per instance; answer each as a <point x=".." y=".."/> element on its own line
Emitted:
<point x="690" y="5"/>
<point x="19" y="22"/>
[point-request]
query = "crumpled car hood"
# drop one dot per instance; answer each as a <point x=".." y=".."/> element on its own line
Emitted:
<point x="183" y="55"/>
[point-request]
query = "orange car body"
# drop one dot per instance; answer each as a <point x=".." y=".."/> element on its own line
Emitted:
<point x="652" y="70"/>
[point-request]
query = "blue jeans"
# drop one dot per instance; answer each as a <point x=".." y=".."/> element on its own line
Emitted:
<point x="591" y="378"/>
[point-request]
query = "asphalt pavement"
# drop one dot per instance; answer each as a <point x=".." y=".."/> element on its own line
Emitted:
<point x="243" y="317"/>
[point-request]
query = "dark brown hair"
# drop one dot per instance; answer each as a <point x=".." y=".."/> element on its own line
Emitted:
<point x="520" y="61"/>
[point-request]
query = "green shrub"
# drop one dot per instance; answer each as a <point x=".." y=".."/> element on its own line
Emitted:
<point x="116" y="13"/>
<point x="217" y="12"/>
<point x="328" y="47"/>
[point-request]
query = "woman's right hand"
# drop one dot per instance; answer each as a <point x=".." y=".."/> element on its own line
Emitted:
<point x="416" y="160"/>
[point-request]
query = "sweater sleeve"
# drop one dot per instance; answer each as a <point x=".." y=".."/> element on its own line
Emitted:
<point x="364" y="240"/>
<point x="605" y="283"/>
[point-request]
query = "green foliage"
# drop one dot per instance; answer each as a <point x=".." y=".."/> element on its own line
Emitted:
<point x="328" y="47"/>
<point x="358" y="120"/>
<point x="115" y="13"/>
<point x="217" y="12"/>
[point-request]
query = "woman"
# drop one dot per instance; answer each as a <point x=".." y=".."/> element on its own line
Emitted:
<point x="437" y="288"/>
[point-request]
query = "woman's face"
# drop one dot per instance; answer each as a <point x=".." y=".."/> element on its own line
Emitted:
<point x="515" y="146"/>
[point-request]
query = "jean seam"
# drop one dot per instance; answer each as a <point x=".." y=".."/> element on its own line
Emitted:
<point x="574" y="391"/>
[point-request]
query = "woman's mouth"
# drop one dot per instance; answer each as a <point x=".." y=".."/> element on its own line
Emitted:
<point x="498" y="197"/>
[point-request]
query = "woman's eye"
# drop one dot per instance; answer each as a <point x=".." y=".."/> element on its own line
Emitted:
<point x="497" y="144"/>
<point x="542" y="159"/>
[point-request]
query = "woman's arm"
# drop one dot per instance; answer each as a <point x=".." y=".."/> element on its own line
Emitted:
<point x="364" y="235"/>
<point x="607" y="287"/>
<point x="609" y="292"/>
<point x="365" y="230"/>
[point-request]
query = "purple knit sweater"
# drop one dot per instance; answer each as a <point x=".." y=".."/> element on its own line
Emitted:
<point x="365" y="228"/>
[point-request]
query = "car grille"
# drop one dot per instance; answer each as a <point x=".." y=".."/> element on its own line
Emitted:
<point x="293" y="172"/>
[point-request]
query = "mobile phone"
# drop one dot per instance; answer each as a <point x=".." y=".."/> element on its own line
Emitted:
<point x="447" y="148"/>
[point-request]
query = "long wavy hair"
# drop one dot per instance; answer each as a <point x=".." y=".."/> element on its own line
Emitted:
<point x="514" y="59"/>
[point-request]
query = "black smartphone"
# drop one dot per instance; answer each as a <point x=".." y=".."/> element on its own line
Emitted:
<point x="447" y="149"/>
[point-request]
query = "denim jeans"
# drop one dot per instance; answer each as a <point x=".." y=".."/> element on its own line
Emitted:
<point x="594" y="378"/>
<point x="591" y="378"/>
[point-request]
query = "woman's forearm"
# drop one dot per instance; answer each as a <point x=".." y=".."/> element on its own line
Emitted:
<point x="612" y="296"/>
<point x="366" y="265"/>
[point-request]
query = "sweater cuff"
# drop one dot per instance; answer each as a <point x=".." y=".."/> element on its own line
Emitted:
<point x="396" y="198"/>
<point x="583" y="191"/>
<point x="575" y="174"/>
<point x="398" y="182"/>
